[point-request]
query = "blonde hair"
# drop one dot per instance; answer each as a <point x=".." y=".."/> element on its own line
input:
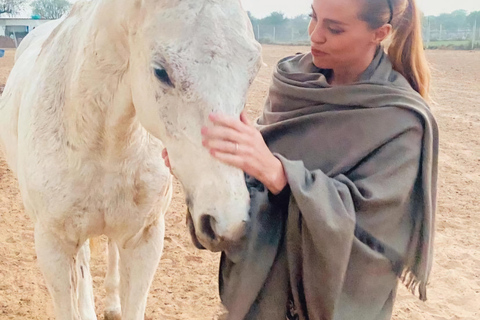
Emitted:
<point x="406" y="44"/>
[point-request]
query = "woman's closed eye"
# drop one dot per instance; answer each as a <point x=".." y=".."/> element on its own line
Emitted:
<point x="332" y="30"/>
<point x="335" y="31"/>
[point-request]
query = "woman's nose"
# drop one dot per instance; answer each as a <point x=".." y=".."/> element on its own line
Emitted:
<point x="318" y="34"/>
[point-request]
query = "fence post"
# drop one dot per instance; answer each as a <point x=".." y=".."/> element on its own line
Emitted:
<point x="428" y="33"/>
<point x="473" y="33"/>
<point x="15" y="38"/>
<point x="274" y="34"/>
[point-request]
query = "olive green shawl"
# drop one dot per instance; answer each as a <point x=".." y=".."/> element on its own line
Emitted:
<point x="358" y="212"/>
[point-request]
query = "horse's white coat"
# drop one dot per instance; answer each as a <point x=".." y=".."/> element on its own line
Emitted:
<point x="81" y="120"/>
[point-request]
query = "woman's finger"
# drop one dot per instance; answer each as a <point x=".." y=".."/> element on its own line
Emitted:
<point x="219" y="119"/>
<point x="223" y="133"/>
<point x="222" y="146"/>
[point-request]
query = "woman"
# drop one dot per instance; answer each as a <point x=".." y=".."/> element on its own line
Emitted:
<point x="347" y="151"/>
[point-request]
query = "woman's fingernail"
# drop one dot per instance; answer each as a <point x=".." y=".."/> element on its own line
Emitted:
<point x="204" y="130"/>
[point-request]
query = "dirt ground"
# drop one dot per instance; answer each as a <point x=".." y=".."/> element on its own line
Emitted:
<point x="185" y="285"/>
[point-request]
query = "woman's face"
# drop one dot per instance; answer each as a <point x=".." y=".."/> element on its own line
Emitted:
<point x="339" y="39"/>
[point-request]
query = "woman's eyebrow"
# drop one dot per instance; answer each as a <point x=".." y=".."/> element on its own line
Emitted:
<point x="331" y="21"/>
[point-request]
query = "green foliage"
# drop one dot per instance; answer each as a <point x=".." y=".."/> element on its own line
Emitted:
<point x="300" y="22"/>
<point x="50" y="9"/>
<point x="277" y="28"/>
<point x="453" y="44"/>
<point x="274" y="19"/>
<point x="451" y="22"/>
<point x="472" y="17"/>
<point x="11" y="7"/>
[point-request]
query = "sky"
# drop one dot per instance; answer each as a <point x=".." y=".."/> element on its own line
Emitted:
<point x="262" y="8"/>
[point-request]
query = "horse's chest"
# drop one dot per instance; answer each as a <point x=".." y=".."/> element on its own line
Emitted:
<point x="93" y="200"/>
<point x="127" y="191"/>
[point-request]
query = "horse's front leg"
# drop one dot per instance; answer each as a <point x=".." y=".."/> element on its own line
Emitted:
<point x="139" y="260"/>
<point x="113" y="309"/>
<point x="86" y="301"/>
<point x="57" y="261"/>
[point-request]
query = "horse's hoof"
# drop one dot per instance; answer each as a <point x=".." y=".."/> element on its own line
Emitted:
<point x="112" y="315"/>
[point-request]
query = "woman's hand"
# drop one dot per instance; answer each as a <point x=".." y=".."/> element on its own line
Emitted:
<point x="238" y="143"/>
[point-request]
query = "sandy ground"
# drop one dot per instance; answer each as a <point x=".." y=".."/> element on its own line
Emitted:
<point x="185" y="285"/>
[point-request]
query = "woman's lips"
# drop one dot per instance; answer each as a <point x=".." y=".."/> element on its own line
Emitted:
<point x="318" y="53"/>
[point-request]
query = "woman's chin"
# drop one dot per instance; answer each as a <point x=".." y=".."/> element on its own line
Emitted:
<point x="321" y="64"/>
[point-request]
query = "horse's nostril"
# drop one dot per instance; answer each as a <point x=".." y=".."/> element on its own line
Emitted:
<point x="206" y="226"/>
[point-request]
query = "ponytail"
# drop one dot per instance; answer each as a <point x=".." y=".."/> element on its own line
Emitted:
<point x="406" y="44"/>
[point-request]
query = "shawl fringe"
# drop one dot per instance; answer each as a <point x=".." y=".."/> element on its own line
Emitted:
<point x="413" y="284"/>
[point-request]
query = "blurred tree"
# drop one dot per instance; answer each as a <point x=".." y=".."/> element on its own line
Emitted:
<point x="453" y="21"/>
<point x="50" y="9"/>
<point x="252" y="18"/>
<point x="11" y="7"/>
<point x="472" y="17"/>
<point x="300" y="23"/>
<point x="274" y="19"/>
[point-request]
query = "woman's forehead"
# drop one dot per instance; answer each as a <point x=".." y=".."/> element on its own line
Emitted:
<point x="344" y="11"/>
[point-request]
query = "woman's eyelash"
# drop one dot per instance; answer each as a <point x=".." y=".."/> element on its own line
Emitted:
<point x="335" y="31"/>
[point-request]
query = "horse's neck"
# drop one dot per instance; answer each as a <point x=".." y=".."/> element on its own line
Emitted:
<point x="99" y="109"/>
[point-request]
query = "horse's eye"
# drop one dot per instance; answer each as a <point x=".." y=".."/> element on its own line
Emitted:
<point x="162" y="75"/>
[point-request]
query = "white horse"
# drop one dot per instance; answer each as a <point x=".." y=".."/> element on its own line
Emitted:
<point x="87" y="109"/>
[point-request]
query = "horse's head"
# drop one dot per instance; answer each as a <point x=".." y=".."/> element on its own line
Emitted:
<point x="188" y="59"/>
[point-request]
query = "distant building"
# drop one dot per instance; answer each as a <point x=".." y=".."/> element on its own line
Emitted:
<point x="18" y="28"/>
